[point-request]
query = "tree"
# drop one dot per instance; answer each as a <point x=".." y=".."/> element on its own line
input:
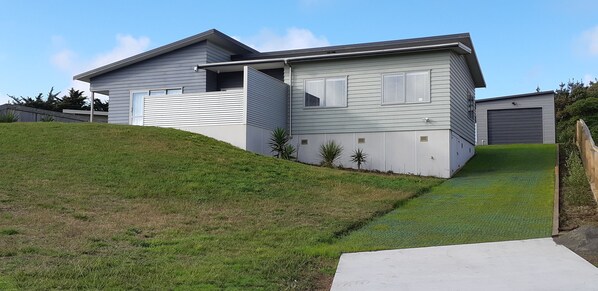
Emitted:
<point x="49" y="103"/>
<point x="74" y="100"/>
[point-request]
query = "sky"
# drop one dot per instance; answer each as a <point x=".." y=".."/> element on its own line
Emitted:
<point x="521" y="45"/>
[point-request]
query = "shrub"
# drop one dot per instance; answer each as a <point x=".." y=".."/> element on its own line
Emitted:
<point x="358" y="157"/>
<point x="288" y="153"/>
<point x="576" y="181"/>
<point x="330" y="152"/>
<point x="9" y="231"/>
<point x="47" y="118"/>
<point x="9" y="117"/>
<point x="279" y="143"/>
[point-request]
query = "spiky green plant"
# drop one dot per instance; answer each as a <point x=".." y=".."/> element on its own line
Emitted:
<point x="47" y="118"/>
<point x="330" y="152"/>
<point x="279" y="143"/>
<point x="9" y="117"/>
<point x="288" y="153"/>
<point x="359" y="157"/>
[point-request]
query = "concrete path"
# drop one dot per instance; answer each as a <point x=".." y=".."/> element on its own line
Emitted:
<point x="534" y="264"/>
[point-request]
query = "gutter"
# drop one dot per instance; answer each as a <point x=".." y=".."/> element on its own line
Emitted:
<point x="290" y="98"/>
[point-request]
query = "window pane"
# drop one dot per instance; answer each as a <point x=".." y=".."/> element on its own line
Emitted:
<point x="314" y="93"/>
<point x="336" y="92"/>
<point x="418" y="87"/>
<point x="137" y="104"/>
<point x="394" y="89"/>
<point x="157" y="92"/>
<point x="174" y="91"/>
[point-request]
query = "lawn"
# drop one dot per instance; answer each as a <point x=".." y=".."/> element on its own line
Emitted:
<point x="92" y="206"/>
<point x="503" y="193"/>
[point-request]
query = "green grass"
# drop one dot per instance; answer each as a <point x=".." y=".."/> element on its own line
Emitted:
<point x="118" y="207"/>
<point x="503" y="193"/>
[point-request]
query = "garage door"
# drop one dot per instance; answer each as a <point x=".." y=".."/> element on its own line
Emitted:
<point x="515" y="126"/>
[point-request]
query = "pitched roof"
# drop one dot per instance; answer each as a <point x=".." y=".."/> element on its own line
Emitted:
<point x="211" y="35"/>
<point x="418" y="44"/>
<point x="245" y="54"/>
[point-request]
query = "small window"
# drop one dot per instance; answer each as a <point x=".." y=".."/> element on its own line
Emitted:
<point x="409" y="87"/>
<point x="361" y="140"/>
<point x="471" y="105"/>
<point x="303" y="141"/>
<point x="330" y="92"/>
<point x="166" y="91"/>
<point x="174" y="91"/>
<point x="423" y="138"/>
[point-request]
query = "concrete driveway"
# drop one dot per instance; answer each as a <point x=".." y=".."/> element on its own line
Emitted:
<point x="534" y="264"/>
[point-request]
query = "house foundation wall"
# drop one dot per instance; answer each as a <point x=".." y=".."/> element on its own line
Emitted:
<point x="425" y="153"/>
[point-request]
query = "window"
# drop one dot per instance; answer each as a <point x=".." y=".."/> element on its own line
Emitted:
<point x="137" y="102"/>
<point x="329" y="92"/>
<point x="408" y="87"/>
<point x="471" y="105"/>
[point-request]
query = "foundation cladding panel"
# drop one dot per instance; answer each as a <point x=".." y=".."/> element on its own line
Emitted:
<point x="408" y="152"/>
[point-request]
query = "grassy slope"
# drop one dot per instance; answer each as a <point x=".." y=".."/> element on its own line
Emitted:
<point x="503" y="193"/>
<point x="100" y="206"/>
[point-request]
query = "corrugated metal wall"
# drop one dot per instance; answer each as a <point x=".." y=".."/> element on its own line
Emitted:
<point x="267" y="100"/>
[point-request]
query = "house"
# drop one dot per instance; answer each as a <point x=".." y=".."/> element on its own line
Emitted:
<point x="523" y="118"/>
<point x="409" y="104"/>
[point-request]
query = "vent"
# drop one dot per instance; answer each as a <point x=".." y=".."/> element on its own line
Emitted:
<point x="423" y="138"/>
<point x="303" y="141"/>
<point x="361" y="140"/>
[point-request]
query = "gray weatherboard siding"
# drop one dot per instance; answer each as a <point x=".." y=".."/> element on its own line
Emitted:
<point x="461" y="86"/>
<point x="171" y="70"/>
<point x="364" y="112"/>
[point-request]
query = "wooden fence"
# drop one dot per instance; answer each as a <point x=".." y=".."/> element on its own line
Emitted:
<point x="589" y="154"/>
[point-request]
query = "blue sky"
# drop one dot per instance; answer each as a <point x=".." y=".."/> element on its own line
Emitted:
<point x="520" y="44"/>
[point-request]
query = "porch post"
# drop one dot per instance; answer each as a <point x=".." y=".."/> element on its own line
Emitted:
<point x="91" y="106"/>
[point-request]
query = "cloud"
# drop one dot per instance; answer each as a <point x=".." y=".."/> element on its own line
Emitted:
<point x="64" y="59"/>
<point x="126" y="46"/>
<point x="589" y="41"/>
<point x="71" y="63"/>
<point x="295" y="38"/>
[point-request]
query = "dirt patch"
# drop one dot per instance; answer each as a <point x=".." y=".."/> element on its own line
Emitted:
<point x="578" y="221"/>
<point x="583" y="241"/>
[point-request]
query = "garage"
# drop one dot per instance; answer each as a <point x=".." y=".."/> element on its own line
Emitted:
<point x="509" y="126"/>
<point x="522" y="118"/>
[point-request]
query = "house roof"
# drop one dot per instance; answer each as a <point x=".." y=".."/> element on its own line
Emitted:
<point x="460" y="43"/>
<point x="211" y="35"/>
<point x="515" y="96"/>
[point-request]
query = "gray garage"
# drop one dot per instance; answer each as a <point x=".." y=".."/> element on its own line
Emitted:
<point x="524" y="118"/>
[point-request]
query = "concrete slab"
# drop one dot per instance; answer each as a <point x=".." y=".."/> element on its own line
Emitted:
<point x="535" y="264"/>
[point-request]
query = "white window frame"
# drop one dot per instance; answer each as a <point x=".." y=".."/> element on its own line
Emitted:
<point x="147" y="91"/>
<point x="404" y="74"/>
<point x="346" y="78"/>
